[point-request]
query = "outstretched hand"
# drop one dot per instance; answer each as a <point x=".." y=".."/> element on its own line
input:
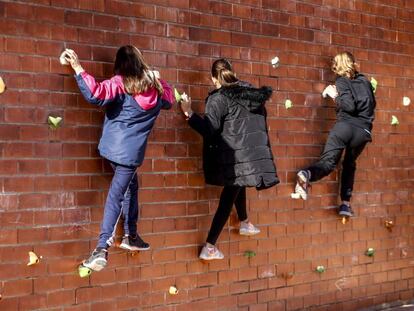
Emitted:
<point x="186" y="106"/>
<point x="73" y="60"/>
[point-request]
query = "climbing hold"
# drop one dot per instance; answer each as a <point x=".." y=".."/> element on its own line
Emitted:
<point x="2" y="86"/>
<point x="344" y="220"/>
<point x="173" y="290"/>
<point x="84" y="271"/>
<point x="389" y="224"/>
<point x="249" y="254"/>
<point x="54" y="122"/>
<point x="295" y="195"/>
<point x="33" y="259"/>
<point x="288" y="104"/>
<point x="287" y="275"/>
<point x="370" y="252"/>
<point x="320" y="269"/>
<point x="406" y="101"/>
<point x="275" y="62"/>
<point x="62" y="58"/>
<point x="374" y="84"/>
<point x="179" y="97"/>
<point x="394" y="120"/>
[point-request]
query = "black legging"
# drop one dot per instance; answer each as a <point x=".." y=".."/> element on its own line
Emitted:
<point x="343" y="136"/>
<point x="229" y="195"/>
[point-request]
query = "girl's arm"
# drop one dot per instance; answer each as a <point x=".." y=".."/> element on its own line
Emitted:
<point x="344" y="101"/>
<point x="211" y="123"/>
<point x="97" y="93"/>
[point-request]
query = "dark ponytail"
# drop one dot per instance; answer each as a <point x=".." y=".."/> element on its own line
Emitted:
<point x="223" y="72"/>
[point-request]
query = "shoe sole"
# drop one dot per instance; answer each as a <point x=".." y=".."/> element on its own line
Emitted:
<point x="248" y="233"/>
<point x="96" y="264"/>
<point x="129" y="248"/>
<point x="348" y="214"/>
<point x="209" y="259"/>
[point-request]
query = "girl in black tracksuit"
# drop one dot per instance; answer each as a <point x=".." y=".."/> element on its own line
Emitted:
<point x="236" y="151"/>
<point x="355" y="105"/>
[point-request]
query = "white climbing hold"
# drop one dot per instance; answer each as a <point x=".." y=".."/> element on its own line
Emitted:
<point x="275" y="62"/>
<point x="406" y="101"/>
<point x="394" y="120"/>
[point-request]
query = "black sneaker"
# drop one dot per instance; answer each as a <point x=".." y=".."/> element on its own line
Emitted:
<point x="134" y="243"/>
<point x="345" y="210"/>
<point x="98" y="260"/>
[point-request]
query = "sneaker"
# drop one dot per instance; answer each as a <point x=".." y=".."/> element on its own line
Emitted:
<point x="97" y="261"/>
<point x="302" y="184"/>
<point x="247" y="228"/>
<point x="210" y="253"/>
<point x="345" y="210"/>
<point x="134" y="244"/>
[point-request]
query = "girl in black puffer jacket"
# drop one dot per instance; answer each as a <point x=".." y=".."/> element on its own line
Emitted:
<point x="236" y="151"/>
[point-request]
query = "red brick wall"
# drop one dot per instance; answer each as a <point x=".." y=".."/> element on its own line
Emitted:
<point x="53" y="182"/>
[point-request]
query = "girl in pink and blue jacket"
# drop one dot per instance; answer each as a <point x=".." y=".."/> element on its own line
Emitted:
<point x="132" y="99"/>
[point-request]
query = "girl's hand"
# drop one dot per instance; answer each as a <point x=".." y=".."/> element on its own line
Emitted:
<point x="73" y="60"/>
<point x="186" y="107"/>
<point x="330" y="91"/>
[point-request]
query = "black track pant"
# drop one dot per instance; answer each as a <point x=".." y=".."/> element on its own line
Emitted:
<point x="343" y="136"/>
<point x="230" y="195"/>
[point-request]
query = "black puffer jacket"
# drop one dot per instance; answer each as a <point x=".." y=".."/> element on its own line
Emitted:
<point x="236" y="144"/>
<point x="356" y="101"/>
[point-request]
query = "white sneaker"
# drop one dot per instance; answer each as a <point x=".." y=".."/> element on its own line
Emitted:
<point x="302" y="185"/>
<point x="210" y="253"/>
<point x="248" y="229"/>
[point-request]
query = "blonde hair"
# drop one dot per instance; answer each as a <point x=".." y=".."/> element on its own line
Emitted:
<point x="343" y="65"/>
<point x="137" y="78"/>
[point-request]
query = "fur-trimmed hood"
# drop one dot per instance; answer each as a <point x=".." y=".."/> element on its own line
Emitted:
<point x="245" y="94"/>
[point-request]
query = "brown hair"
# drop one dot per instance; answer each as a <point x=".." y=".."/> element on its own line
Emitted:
<point x="223" y="72"/>
<point x="137" y="78"/>
<point x="344" y="65"/>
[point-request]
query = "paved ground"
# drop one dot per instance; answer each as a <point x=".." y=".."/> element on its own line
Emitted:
<point x="396" y="306"/>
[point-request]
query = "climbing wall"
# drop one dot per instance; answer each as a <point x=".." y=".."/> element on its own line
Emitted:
<point x="53" y="182"/>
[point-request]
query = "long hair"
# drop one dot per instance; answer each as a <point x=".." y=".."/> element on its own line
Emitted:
<point x="223" y="72"/>
<point x="137" y="78"/>
<point x="344" y="65"/>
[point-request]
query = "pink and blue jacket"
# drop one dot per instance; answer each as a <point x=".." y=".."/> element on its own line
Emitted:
<point x="128" y="118"/>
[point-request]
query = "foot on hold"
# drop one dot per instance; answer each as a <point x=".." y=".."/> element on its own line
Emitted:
<point x="345" y="210"/>
<point x="247" y="228"/>
<point x="302" y="185"/>
<point x="210" y="253"/>
<point x="98" y="260"/>
<point x="134" y="243"/>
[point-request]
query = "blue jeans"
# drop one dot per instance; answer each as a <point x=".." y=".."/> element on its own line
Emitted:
<point x="122" y="199"/>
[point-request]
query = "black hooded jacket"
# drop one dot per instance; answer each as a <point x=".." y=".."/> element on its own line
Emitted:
<point x="356" y="101"/>
<point x="236" y="147"/>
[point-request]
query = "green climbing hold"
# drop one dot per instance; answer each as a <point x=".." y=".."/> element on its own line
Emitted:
<point x="54" y="122"/>
<point x="177" y="95"/>
<point x="374" y="84"/>
<point x="394" y="120"/>
<point x="84" y="271"/>
<point x="288" y="104"/>
<point x="249" y="254"/>
<point x="320" y="269"/>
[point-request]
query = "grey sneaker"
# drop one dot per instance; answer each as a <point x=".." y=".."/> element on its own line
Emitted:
<point x="302" y="185"/>
<point x="345" y="210"/>
<point x="248" y="229"/>
<point x="134" y="244"/>
<point x="210" y="253"/>
<point x="98" y="260"/>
